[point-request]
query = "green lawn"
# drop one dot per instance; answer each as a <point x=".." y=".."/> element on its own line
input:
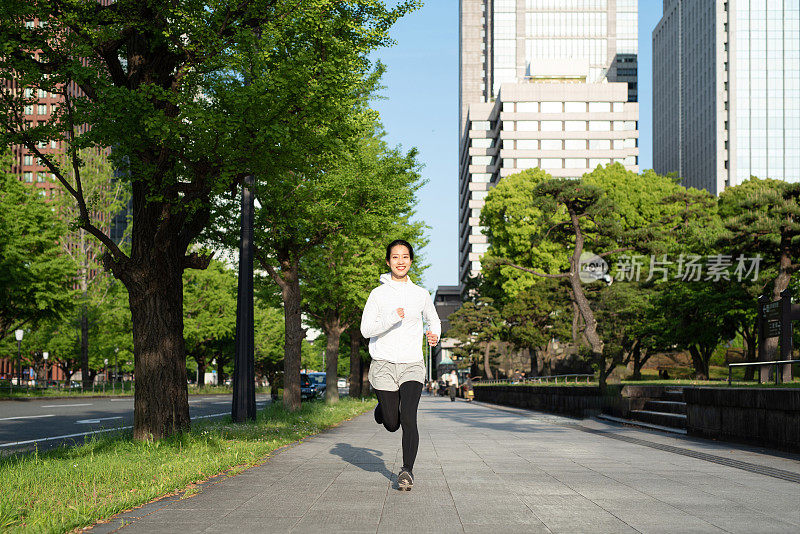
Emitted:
<point x="72" y="487"/>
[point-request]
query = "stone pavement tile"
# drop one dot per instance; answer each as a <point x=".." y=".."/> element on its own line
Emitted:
<point x="212" y="501"/>
<point x="355" y="517"/>
<point x="500" y="510"/>
<point x="589" y="518"/>
<point x="491" y="528"/>
<point x="737" y="519"/>
<point x="249" y="525"/>
<point x="187" y="517"/>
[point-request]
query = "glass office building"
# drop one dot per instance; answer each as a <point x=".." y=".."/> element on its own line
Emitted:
<point x="726" y="91"/>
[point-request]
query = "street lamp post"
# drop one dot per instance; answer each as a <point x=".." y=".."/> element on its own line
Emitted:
<point x="244" y="388"/>
<point x="105" y="363"/>
<point x="18" y="334"/>
<point x="46" y="355"/>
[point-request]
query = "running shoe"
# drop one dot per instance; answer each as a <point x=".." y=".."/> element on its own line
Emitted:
<point x="405" y="480"/>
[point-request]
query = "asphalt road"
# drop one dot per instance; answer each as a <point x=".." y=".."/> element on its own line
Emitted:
<point x="46" y="423"/>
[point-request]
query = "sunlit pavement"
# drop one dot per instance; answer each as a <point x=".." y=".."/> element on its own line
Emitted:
<point x="482" y="469"/>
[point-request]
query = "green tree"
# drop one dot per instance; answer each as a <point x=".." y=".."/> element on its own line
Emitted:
<point x="338" y="274"/>
<point x="170" y="90"/>
<point x="477" y="327"/>
<point x="300" y="212"/>
<point x="762" y="217"/>
<point x="35" y="275"/>
<point x="106" y="197"/>
<point x="209" y="311"/>
<point x="534" y="317"/>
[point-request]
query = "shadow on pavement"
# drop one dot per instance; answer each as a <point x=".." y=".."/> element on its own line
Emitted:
<point x="363" y="458"/>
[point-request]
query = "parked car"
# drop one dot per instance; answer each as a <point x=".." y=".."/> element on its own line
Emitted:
<point x="318" y="382"/>
<point x="341" y="383"/>
<point x="307" y="389"/>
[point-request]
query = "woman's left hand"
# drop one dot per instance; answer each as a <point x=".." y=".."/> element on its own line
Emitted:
<point x="433" y="339"/>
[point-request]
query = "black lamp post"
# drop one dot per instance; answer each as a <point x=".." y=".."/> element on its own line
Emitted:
<point x="244" y="388"/>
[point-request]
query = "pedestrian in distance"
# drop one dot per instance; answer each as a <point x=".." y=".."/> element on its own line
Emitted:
<point x="392" y="320"/>
<point x="452" y="381"/>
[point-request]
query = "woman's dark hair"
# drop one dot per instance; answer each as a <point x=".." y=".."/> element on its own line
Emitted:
<point x="396" y="242"/>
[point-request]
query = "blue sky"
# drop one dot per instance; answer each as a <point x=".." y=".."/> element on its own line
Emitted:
<point x="420" y="109"/>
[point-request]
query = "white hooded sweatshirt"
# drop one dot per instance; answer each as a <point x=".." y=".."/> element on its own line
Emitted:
<point x="391" y="337"/>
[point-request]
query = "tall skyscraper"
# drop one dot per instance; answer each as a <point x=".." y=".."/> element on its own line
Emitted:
<point x="543" y="83"/>
<point x="726" y="91"/>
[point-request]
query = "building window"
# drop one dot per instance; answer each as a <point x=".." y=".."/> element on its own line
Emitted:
<point x="551" y="126"/>
<point x="42" y="93"/>
<point x="41" y="177"/>
<point x="599" y="107"/>
<point x="529" y="126"/>
<point x="29" y="109"/>
<point x="552" y="163"/>
<point x="42" y="109"/>
<point x="551" y="144"/>
<point x="599" y="144"/>
<point x="575" y="126"/>
<point x="599" y="126"/>
<point x="27" y="176"/>
<point x="574" y="163"/>
<point x="27" y="159"/>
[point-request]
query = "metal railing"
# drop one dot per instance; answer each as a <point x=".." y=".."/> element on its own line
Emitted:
<point x="776" y="363"/>
<point x="541" y="379"/>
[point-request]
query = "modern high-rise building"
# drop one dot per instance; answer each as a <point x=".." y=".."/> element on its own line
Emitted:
<point x="726" y="91"/>
<point x="543" y="83"/>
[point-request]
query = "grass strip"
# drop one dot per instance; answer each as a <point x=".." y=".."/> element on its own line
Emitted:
<point x="72" y="487"/>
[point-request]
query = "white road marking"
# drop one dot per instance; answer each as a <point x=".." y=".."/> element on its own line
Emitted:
<point x="121" y="400"/>
<point x="90" y="421"/>
<point x="211" y="415"/>
<point x="65" y="405"/>
<point x="26" y="417"/>
<point x="226" y="402"/>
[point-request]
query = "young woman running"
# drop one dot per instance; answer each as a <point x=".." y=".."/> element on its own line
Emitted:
<point x="392" y="322"/>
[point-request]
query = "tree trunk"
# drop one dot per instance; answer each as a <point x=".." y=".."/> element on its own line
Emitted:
<point x="636" y="354"/>
<point x="294" y="332"/>
<point x="781" y="283"/>
<point x="699" y="362"/>
<point x="365" y="377"/>
<point x="576" y="317"/>
<point x="161" y="401"/>
<point x="590" y="328"/>
<point x="750" y="348"/>
<point x="355" y="363"/>
<point x="201" y="370"/>
<point x="487" y="369"/>
<point x="333" y="330"/>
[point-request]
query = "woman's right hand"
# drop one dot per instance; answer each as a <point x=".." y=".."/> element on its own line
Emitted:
<point x="400" y="312"/>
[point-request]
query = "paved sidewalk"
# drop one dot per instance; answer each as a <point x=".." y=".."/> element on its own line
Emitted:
<point x="482" y="469"/>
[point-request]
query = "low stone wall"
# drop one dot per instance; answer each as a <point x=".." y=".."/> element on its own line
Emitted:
<point x="762" y="416"/>
<point x="577" y="401"/>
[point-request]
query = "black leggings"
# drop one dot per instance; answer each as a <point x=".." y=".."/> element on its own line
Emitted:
<point x="399" y="408"/>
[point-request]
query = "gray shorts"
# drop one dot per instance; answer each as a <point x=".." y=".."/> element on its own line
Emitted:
<point x="387" y="376"/>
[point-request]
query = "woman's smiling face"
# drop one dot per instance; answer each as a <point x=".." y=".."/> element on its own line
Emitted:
<point x="399" y="261"/>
